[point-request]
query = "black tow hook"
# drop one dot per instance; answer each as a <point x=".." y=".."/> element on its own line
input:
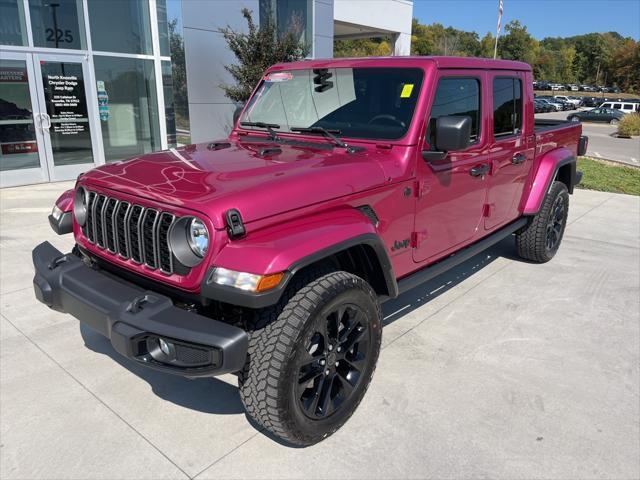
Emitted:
<point x="137" y="303"/>
<point x="56" y="262"/>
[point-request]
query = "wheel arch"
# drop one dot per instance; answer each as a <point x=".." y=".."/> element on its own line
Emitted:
<point x="347" y="239"/>
<point x="558" y="164"/>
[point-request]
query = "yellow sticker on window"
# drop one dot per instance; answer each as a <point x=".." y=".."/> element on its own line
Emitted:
<point x="406" y="90"/>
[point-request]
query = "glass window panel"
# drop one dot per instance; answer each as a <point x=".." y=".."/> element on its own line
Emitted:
<point x="507" y="106"/>
<point x="66" y="104"/>
<point x="456" y="96"/>
<point x="12" y="26"/>
<point x="18" y="146"/>
<point x="120" y="26"/>
<point x="289" y="15"/>
<point x="163" y="27"/>
<point x="169" y="104"/>
<point x="128" y="106"/>
<point x="57" y="24"/>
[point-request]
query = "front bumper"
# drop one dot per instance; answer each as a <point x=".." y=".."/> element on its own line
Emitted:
<point x="135" y="319"/>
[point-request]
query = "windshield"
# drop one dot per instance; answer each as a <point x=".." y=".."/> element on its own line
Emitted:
<point x="372" y="103"/>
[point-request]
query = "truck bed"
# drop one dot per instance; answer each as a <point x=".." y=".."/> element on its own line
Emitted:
<point x="551" y="134"/>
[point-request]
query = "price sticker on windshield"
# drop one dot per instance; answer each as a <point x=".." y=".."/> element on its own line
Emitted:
<point x="407" y="89"/>
<point x="278" y="77"/>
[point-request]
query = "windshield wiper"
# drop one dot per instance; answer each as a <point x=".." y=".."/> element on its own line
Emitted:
<point x="329" y="133"/>
<point x="268" y="126"/>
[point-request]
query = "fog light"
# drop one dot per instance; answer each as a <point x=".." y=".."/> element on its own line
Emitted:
<point x="165" y="347"/>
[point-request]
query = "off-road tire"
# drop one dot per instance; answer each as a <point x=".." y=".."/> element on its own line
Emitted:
<point x="278" y="336"/>
<point x="531" y="242"/>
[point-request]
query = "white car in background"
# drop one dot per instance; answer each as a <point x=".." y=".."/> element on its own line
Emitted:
<point x="574" y="101"/>
<point x="624" y="107"/>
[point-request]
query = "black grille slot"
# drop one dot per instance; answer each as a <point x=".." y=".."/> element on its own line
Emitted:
<point x="134" y="233"/>
<point x="87" y="230"/>
<point x="149" y="237"/>
<point x="121" y="228"/>
<point x="109" y="224"/>
<point x="98" y="216"/>
<point x="191" y="355"/>
<point x="131" y="231"/>
<point x="164" y="252"/>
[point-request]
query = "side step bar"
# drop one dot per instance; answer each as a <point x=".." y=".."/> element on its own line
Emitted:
<point x="438" y="268"/>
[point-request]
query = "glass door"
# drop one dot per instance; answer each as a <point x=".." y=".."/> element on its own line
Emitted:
<point x="68" y="117"/>
<point x="22" y="159"/>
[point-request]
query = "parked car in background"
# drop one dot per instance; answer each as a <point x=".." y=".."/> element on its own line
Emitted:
<point x="604" y="115"/>
<point x="590" y="102"/>
<point x="570" y="101"/>
<point x="556" y="86"/>
<point x="624" y="107"/>
<point x="543" y="107"/>
<point x="572" y="88"/>
<point x="557" y="106"/>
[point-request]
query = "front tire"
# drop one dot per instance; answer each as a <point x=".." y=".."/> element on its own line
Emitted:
<point x="540" y="239"/>
<point x="308" y="369"/>
<point x="614" y="121"/>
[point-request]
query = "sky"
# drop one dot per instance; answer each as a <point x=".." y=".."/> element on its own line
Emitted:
<point x="543" y="18"/>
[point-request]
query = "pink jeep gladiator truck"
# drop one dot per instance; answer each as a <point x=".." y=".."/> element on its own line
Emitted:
<point x="268" y="254"/>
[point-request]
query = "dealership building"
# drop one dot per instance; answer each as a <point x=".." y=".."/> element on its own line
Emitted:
<point x="87" y="82"/>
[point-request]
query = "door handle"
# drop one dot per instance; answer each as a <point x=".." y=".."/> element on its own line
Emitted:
<point x="518" y="159"/>
<point x="48" y="119"/>
<point x="479" y="170"/>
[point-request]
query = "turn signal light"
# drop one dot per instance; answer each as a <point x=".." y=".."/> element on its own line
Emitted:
<point x="268" y="282"/>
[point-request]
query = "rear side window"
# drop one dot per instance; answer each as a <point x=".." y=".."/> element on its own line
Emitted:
<point x="456" y="96"/>
<point x="507" y="106"/>
<point x="627" y="107"/>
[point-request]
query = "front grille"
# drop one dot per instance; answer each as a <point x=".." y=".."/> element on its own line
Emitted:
<point x="130" y="231"/>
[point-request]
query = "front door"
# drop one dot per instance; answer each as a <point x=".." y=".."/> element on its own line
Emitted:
<point x="67" y="119"/>
<point x="22" y="159"/>
<point x="452" y="192"/>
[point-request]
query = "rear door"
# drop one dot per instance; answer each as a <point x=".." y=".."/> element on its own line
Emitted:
<point x="512" y="146"/>
<point x="451" y="194"/>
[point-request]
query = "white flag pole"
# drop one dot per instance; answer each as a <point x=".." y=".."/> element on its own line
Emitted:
<point x="495" y="49"/>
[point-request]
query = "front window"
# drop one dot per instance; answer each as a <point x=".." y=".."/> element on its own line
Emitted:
<point x="373" y="103"/>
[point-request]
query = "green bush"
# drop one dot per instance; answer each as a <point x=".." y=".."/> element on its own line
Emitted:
<point x="629" y="125"/>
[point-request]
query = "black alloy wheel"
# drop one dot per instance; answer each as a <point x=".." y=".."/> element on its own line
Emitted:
<point x="555" y="225"/>
<point x="336" y="354"/>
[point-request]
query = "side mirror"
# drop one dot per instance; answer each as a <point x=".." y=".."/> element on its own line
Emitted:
<point x="237" y="112"/>
<point x="452" y="133"/>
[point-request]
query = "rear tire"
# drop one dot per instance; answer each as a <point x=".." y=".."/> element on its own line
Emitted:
<point x="539" y="241"/>
<point x="614" y="121"/>
<point x="311" y="359"/>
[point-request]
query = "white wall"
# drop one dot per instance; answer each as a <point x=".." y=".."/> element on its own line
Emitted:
<point x="322" y="29"/>
<point x="206" y="52"/>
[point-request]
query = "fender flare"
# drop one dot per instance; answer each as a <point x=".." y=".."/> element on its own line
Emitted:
<point x="64" y="223"/>
<point x="547" y="171"/>
<point x="289" y="248"/>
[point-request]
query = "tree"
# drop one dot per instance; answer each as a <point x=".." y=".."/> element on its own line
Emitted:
<point x="517" y="43"/>
<point x="258" y="49"/>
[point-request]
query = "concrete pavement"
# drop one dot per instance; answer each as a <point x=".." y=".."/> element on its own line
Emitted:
<point x="601" y="142"/>
<point x="500" y="369"/>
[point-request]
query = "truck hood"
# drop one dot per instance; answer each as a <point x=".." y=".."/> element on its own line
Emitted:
<point x="241" y="175"/>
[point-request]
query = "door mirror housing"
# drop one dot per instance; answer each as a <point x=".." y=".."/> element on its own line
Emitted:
<point x="453" y="133"/>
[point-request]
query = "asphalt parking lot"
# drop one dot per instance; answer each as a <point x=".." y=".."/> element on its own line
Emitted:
<point x="602" y="143"/>
<point x="500" y="369"/>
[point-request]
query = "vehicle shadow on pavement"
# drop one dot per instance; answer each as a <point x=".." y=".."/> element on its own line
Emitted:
<point x="207" y="395"/>
<point x="394" y="310"/>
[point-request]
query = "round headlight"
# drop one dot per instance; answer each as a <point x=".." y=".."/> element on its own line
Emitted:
<point x="80" y="206"/>
<point x="198" y="237"/>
